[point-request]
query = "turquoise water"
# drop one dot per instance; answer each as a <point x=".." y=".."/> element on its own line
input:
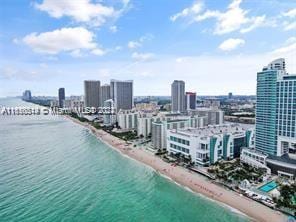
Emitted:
<point x="54" y="170"/>
<point x="269" y="186"/>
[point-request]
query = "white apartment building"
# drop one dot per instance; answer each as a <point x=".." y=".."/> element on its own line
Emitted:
<point x="160" y="128"/>
<point x="145" y="121"/>
<point x="254" y="158"/>
<point x="144" y="124"/>
<point x="207" y="145"/>
<point x="214" y="116"/>
<point x="127" y="119"/>
<point x="109" y="118"/>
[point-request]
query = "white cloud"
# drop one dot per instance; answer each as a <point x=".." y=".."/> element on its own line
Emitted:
<point x="256" y="22"/>
<point x="180" y="59"/>
<point x="194" y="9"/>
<point x="291" y="13"/>
<point x="289" y="26"/>
<point x="206" y="15"/>
<point x="286" y="49"/>
<point x="62" y="40"/>
<point x="142" y="56"/>
<point x="231" y="44"/>
<point x="76" y="53"/>
<point x="113" y="28"/>
<point x="118" y="48"/>
<point x="239" y="78"/>
<point x="289" y="22"/>
<point x="289" y="48"/>
<point x="233" y="19"/>
<point x="239" y="74"/>
<point x="98" y="52"/>
<point x="138" y="43"/>
<point x="134" y="44"/>
<point x="95" y="14"/>
<point x="12" y="73"/>
<point x="291" y="40"/>
<point x="146" y="37"/>
<point x="104" y="72"/>
<point x="16" y="41"/>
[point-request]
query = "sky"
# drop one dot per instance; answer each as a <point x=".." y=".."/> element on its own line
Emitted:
<point x="216" y="47"/>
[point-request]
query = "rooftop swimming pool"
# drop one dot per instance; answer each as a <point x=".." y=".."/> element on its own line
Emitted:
<point x="268" y="186"/>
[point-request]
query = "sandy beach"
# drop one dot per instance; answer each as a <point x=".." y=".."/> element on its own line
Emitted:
<point x="184" y="177"/>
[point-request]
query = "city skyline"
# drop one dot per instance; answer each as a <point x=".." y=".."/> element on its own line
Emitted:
<point x="42" y="44"/>
<point x="120" y="110"/>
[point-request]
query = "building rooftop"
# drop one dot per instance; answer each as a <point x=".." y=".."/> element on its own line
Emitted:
<point x="171" y="121"/>
<point x="176" y="120"/>
<point x="252" y="150"/>
<point x="234" y="129"/>
<point x="207" y="109"/>
<point x="116" y="80"/>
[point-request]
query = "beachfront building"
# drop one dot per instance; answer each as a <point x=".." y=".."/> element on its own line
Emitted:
<point x="254" y="158"/>
<point x="275" y="109"/>
<point x="127" y="119"/>
<point x="122" y="94"/>
<point x="282" y="166"/>
<point x="276" y="118"/>
<point x="207" y="145"/>
<point x="61" y="97"/>
<point x="190" y="100"/>
<point x="178" y="96"/>
<point x="145" y="120"/>
<point x="105" y="93"/>
<point x="144" y="124"/>
<point x="214" y="116"/>
<point x="160" y="128"/>
<point x="109" y="116"/>
<point x="92" y="93"/>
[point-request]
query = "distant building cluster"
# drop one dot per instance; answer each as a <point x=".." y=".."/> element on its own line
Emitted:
<point x="27" y="96"/>
<point x="196" y="129"/>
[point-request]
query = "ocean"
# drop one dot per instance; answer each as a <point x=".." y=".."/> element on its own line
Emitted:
<point x="54" y="170"/>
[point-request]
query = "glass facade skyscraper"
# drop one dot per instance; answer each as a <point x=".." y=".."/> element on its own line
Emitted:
<point x="122" y="94"/>
<point x="178" y="96"/>
<point x="61" y="97"/>
<point x="92" y="93"/>
<point x="286" y="114"/>
<point x="190" y="100"/>
<point x="105" y="93"/>
<point x="275" y="109"/>
<point x="266" y="111"/>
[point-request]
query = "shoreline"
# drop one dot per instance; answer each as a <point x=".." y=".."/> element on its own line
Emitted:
<point x="189" y="180"/>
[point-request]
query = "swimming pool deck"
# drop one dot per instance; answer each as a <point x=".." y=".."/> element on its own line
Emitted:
<point x="268" y="186"/>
